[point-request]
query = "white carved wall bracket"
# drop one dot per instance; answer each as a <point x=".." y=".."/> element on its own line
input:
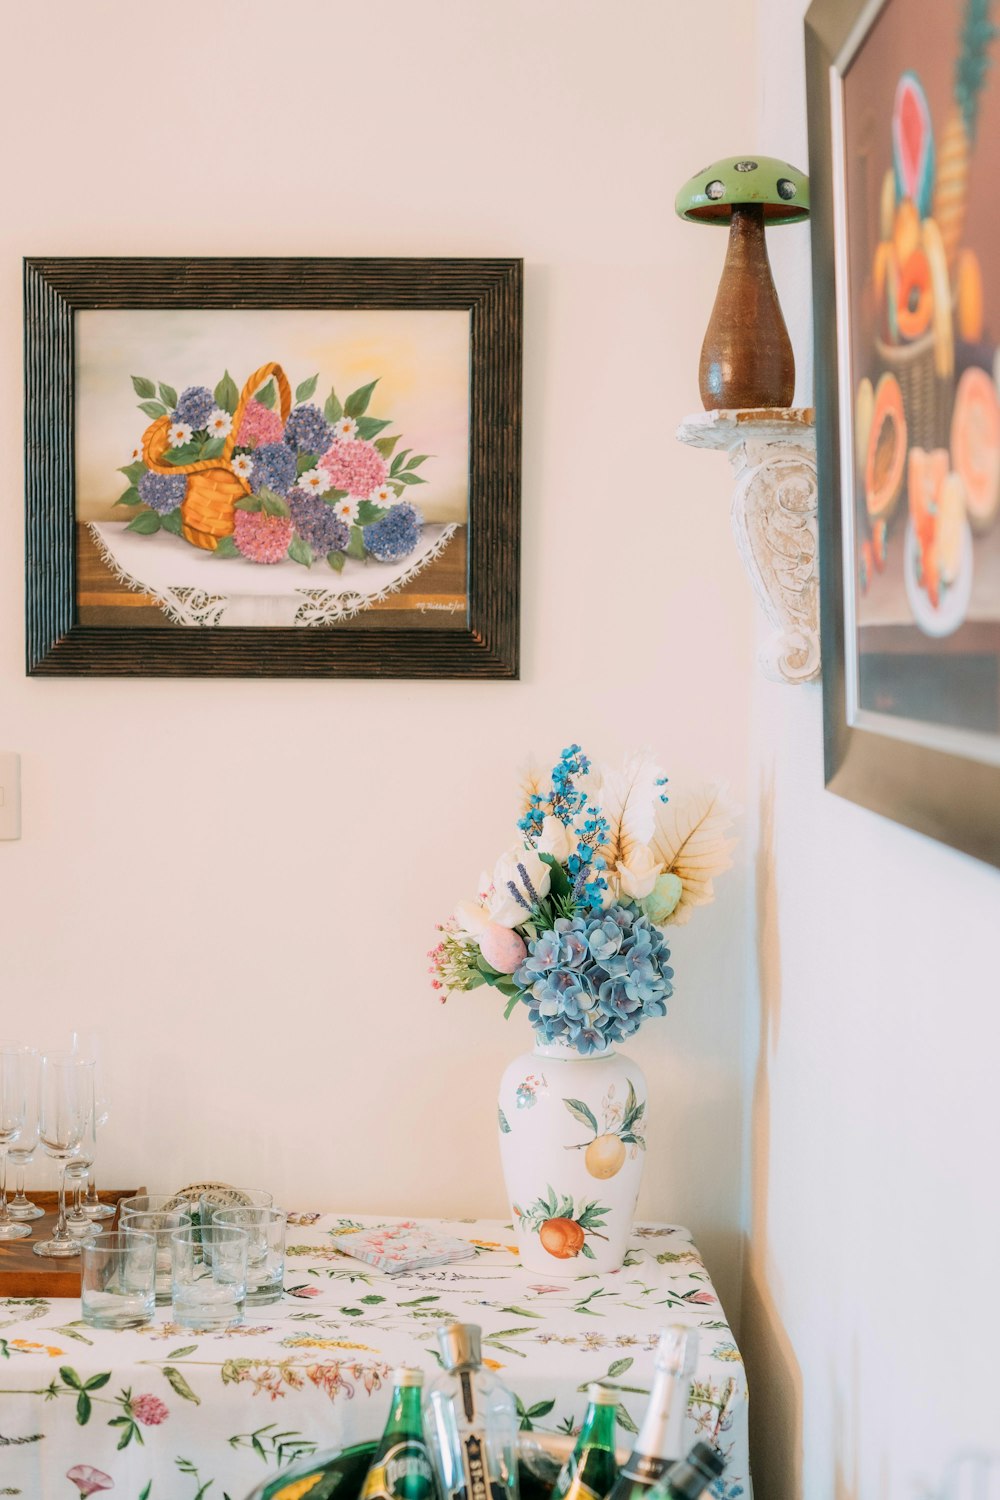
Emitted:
<point x="773" y="454"/>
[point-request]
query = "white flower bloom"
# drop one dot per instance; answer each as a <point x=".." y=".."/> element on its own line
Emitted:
<point x="472" y="917"/>
<point x="314" y="481"/>
<point x="555" y="839"/>
<point x="219" y="424"/>
<point x="347" y="509"/>
<point x="384" y="495"/>
<point x="519" y="879"/>
<point x="346" y="428"/>
<point x="179" y="434"/>
<point x="638" y="877"/>
<point x="243" y="465"/>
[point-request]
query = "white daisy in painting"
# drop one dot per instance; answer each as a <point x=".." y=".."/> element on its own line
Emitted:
<point x="347" y="509"/>
<point x="314" y="482"/>
<point x="219" y="424"/>
<point x="179" y="434"/>
<point x="346" y="428"/>
<point x="242" y="465"/>
<point x="384" y="495"/>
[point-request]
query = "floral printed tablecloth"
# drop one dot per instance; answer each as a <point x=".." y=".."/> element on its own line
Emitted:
<point x="162" y="1413"/>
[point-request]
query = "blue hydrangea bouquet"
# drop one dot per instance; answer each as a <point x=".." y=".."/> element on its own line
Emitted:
<point x="570" y="924"/>
<point x="260" y="476"/>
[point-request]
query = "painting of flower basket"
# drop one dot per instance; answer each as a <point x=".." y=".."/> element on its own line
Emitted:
<point x="321" y="479"/>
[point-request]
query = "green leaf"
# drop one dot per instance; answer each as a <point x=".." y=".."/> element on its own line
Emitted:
<point x="83" y="1408"/>
<point x="172" y="522"/>
<point x="332" y="496"/>
<point x="187" y="453"/>
<point x="367" y="513"/>
<point x="179" y="1385"/>
<point x="133" y="472"/>
<point x="300" y="552"/>
<point x="352" y="1312"/>
<point x="145" y="1493"/>
<point x="580" y="1112"/>
<point x="336" y="561"/>
<point x="332" y="409"/>
<point x="559" y="880"/>
<point x="96" y="1381"/>
<point x="540" y="1409"/>
<point x="399" y="461"/>
<point x="356" y="546"/>
<point x="142" y="387"/>
<point x="304" y="463"/>
<point x="130" y="497"/>
<point x="67" y="1374"/>
<point x="251" y="503"/>
<point x="273" y="504"/>
<point x="226" y="394"/>
<point x="153" y="408"/>
<point x="168" y="395"/>
<point x="372" y="1299"/>
<point x="212" y="448"/>
<point x="409" y="479"/>
<point x="357" y="402"/>
<point x="420" y="458"/>
<point x="183" y="1353"/>
<point x="625" y="1421"/>
<point x="305" y="390"/>
<point x="146" y="523"/>
<point x="267" y="395"/>
<point x="586" y="1250"/>
<point x="511" y="1006"/>
<point x="227" y="548"/>
<point x="385" y="445"/>
<point x="619" y="1366"/>
<point x="369" y="427"/>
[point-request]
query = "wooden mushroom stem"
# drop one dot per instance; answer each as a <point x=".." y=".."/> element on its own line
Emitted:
<point x="746" y="359"/>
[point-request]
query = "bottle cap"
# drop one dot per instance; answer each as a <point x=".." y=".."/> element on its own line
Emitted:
<point x="677" y="1351"/>
<point x="460" y="1345"/>
<point x="690" y="1475"/>
<point x="407" y="1375"/>
<point x="601" y="1395"/>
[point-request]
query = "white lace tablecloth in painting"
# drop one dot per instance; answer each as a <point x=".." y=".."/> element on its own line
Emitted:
<point x="198" y="588"/>
<point x="162" y="1413"/>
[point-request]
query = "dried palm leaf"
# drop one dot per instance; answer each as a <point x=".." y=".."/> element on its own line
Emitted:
<point x="690" y="839"/>
<point x="629" y="799"/>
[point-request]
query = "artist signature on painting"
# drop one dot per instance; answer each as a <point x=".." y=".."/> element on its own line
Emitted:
<point x="451" y="607"/>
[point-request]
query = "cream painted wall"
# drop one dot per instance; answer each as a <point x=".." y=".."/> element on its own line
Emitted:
<point x="870" y="1315"/>
<point x="240" y="879"/>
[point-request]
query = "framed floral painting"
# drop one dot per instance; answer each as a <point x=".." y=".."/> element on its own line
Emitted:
<point x="273" y="467"/>
<point x="904" y="124"/>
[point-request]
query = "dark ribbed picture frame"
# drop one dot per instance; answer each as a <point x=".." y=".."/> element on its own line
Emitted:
<point x="485" y="644"/>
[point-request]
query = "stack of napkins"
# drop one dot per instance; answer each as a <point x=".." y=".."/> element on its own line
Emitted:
<point x="403" y="1246"/>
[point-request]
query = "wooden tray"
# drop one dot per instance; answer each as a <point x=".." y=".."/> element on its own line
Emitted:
<point x="25" y="1274"/>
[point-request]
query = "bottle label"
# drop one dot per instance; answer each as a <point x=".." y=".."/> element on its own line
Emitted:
<point x="404" y="1473"/>
<point x="478" y="1485"/>
<point x="646" y="1468"/>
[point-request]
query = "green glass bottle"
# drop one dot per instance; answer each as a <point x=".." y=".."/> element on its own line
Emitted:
<point x="591" y="1469"/>
<point x="660" y="1441"/>
<point x="690" y="1478"/>
<point x="402" y="1468"/>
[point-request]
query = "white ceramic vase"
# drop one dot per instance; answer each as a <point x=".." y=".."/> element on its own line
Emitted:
<point x="572" y="1143"/>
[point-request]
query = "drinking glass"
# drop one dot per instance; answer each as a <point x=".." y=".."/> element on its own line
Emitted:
<point x="265" y="1253"/>
<point x="21" y="1154"/>
<point x="209" y="1293"/>
<point x="117" y="1280"/>
<point x="91" y="1044"/>
<point x="13" y="1112"/>
<point x="210" y="1203"/>
<point x="151" y="1203"/>
<point x="161" y="1226"/>
<point x="67" y="1086"/>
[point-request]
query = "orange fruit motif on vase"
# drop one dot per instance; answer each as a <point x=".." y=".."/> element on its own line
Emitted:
<point x="562" y="1238"/>
<point x="605" y="1156"/>
<point x="914" y="296"/>
<point x="969" y="297"/>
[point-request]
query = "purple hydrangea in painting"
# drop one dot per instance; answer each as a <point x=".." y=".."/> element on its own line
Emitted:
<point x="273" y="469"/>
<point x="318" y="523"/>
<point x="308" y="431"/>
<point x="396" y="535"/>
<point x="162" y="492"/>
<point x="195" y="406"/>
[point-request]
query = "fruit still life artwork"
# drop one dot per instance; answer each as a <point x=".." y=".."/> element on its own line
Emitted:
<point x="922" y="130"/>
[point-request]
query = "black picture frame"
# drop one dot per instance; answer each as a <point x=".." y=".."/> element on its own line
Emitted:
<point x="951" y="797"/>
<point x="484" y="645"/>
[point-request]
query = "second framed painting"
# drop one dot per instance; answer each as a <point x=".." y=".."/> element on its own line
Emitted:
<point x="273" y="467"/>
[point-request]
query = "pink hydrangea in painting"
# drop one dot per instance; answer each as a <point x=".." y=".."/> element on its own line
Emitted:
<point x="149" y="1410"/>
<point x="259" y="425"/>
<point x="354" y="466"/>
<point x="262" y="538"/>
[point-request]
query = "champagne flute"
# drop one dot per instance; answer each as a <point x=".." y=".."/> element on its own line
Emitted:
<point x="64" y="1107"/>
<point x="13" y="1110"/>
<point x="21" y="1154"/>
<point x="90" y="1043"/>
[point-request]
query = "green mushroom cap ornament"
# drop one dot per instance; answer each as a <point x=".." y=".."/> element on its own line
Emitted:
<point x="746" y="359"/>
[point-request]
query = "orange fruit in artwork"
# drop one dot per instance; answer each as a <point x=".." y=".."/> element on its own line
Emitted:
<point x="562" y="1238"/>
<point x="605" y="1156"/>
<point x="969" y="290"/>
<point x="926" y="471"/>
<point x="950" y="529"/>
<point x="914" y="296"/>
<point x="975" y="445"/>
<point x="886" y="461"/>
<point x="906" y="230"/>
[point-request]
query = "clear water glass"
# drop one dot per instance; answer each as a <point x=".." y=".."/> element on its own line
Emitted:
<point x="22" y="1152"/>
<point x="266" y="1251"/>
<point x="161" y="1226"/>
<point x="209" y="1290"/>
<point x="118" y="1280"/>
<point x="149" y="1203"/>
<point x="92" y="1044"/>
<point x="65" y="1097"/>
<point x="13" y="1112"/>
<point x="209" y="1204"/>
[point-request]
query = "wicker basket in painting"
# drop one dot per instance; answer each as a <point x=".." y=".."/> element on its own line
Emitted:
<point x="212" y="488"/>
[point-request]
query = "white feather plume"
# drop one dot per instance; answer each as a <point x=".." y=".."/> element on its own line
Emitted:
<point x="690" y="839"/>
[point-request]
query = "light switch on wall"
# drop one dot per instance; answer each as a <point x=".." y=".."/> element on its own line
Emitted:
<point x="10" y="795"/>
